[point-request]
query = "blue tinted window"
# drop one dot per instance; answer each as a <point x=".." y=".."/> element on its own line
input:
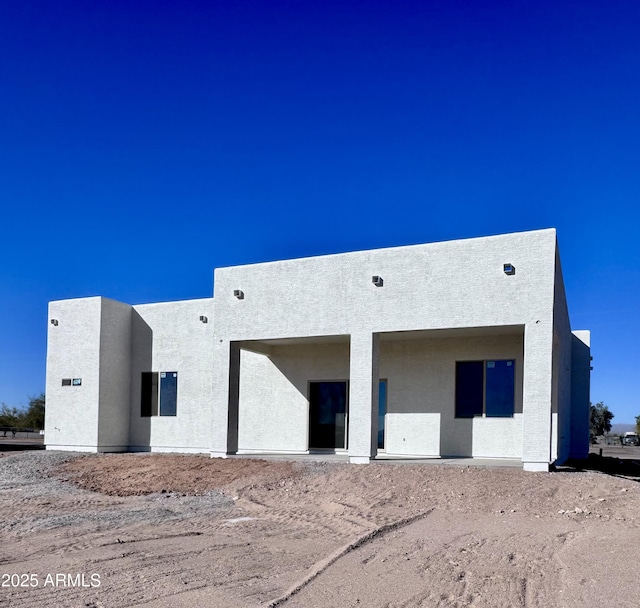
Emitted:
<point x="500" y="388"/>
<point x="485" y="388"/>
<point x="382" y="410"/>
<point x="168" y="393"/>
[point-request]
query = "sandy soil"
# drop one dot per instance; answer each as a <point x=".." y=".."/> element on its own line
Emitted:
<point x="166" y="530"/>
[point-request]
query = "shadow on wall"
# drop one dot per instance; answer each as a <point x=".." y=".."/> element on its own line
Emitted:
<point x="142" y="361"/>
<point x="325" y="406"/>
<point x="418" y="424"/>
<point x="273" y="386"/>
<point x="457" y="439"/>
<point x="580" y="397"/>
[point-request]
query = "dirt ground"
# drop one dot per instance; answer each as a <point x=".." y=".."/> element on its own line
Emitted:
<point x="166" y="530"/>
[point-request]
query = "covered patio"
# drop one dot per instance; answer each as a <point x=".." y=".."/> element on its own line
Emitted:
<point x="398" y="395"/>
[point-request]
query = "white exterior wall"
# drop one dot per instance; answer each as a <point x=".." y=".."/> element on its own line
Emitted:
<point x="169" y="337"/>
<point x="108" y="345"/>
<point x="433" y="286"/>
<point x="73" y="351"/>
<point x="92" y="343"/>
<point x="274" y="405"/>
<point x="115" y="376"/>
<point x="421" y="376"/>
<point x="456" y="284"/>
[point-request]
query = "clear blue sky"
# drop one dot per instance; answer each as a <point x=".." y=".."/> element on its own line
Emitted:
<point x="144" y="143"/>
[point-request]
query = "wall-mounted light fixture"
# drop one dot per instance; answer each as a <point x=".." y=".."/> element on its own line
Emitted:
<point x="54" y="322"/>
<point x="204" y="319"/>
<point x="509" y="268"/>
<point x="377" y="281"/>
<point x="238" y="293"/>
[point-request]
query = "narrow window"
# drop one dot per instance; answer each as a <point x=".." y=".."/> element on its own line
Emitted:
<point x="168" y="393"/>
<point x="469" y="389"/>
<point x="149" y="394"/>
<point x="382" y="410"/>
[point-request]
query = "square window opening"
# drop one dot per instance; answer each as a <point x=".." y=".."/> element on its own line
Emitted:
<point x="485" y="388"/>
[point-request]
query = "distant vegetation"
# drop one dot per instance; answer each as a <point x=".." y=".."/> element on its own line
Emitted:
<point x="599" y="419"/>
<point x="30" y="418"/>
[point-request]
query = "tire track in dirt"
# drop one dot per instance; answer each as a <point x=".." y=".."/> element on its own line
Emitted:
<point x="299" y="519"/>
<point x="323" y="564"/>
<point x="422" y="565"/>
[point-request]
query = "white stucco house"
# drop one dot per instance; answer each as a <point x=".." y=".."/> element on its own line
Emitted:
<point x="459" y="348"/>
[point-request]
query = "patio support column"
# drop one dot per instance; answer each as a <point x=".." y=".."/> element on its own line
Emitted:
<point x="363" y="397"/>
<point x="226" y="383"/>
<point x="537" y="395"/>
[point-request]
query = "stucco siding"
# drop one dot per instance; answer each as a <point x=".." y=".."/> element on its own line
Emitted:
<point x="438" y="285"/>
<point x="537" y="394"/>
<point x="115" y="376"/>
<point x="497" y="437"/>
<point x="580" y="394"/>
<point x="73" y="351"/>
<point x="412" y="434"/>
<point x="274" y="404"/>
<point x="169" y="337"/>
<point x="421" y="376"/>
<point x="561" y="401"/>
<point x="457" y="284"/>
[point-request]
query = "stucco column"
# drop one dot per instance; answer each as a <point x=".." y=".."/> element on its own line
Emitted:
<point x="537" y="394"/>
<point x="224" y="425"/>
<point x="363" y="397"/>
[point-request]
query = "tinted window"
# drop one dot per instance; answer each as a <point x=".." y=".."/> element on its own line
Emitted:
<point x="382" y="410"/>
<point x="500" y="388"/>
<point x="168" y="393"/>
<point x="469" y="388"/>
<point x="149" y="394"/>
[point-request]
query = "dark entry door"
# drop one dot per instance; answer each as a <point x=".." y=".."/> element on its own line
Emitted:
<point x="328" y="411"/>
